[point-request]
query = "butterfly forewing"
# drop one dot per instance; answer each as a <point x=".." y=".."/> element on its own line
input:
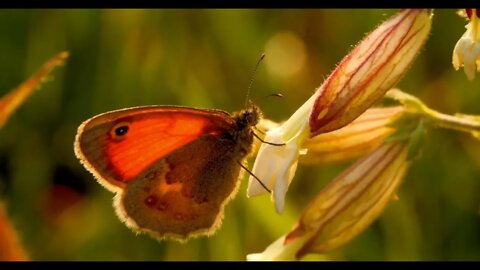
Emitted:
<point x="152" y="132"/>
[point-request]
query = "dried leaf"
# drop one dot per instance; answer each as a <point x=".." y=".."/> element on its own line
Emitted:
<point x="10" y="102"/>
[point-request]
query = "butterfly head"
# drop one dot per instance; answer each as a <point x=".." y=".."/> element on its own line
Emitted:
<point x="248" y="117"/>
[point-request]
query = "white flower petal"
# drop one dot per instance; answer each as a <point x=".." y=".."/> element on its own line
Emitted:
<point x="467" y="52"/>
<point x="285" y="176"/>
<point x="275" y="165"/>
<point x="457" y="57"/>
<point x="267" y="170"/>
<point x="279" y="251"/>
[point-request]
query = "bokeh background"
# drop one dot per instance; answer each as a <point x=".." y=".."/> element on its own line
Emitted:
<point x="204" y="58"/>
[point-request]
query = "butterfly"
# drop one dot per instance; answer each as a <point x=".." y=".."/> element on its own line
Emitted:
<point x="173" y="169"/>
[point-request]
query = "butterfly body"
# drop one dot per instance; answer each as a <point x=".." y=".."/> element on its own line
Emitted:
<point x="173" y="168"/>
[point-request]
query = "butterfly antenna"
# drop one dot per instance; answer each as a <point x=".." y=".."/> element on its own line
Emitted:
<point x="253" y="78"/>
<point x="277" y="95"/>
<point x="254" y="176"/>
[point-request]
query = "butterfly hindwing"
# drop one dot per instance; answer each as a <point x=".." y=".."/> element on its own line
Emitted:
<point x="184" y="193"/>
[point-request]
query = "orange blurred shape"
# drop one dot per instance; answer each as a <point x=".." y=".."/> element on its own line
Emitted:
<point x="10" y="248"/>
<point x="10" y="102"/>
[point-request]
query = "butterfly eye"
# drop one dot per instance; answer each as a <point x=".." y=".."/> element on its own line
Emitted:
<point x="119" y="131"/>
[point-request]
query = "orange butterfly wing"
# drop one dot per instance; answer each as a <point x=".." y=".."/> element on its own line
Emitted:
<point x="153" y="132"/>
<point x="174" y="168"/>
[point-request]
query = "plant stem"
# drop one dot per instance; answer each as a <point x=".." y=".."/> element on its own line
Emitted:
<point x="454" y="122"/>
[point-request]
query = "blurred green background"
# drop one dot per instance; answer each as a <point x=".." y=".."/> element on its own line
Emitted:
<point x="204" y="58"/>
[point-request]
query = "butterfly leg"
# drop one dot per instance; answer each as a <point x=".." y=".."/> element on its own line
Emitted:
<point x="254" y="176"/>
<point x="260" y="139"/>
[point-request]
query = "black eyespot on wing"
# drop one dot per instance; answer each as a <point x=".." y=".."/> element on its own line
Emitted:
<point x="119" y="131"/>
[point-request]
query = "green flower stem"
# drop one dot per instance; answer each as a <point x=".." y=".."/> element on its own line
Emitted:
<point x="465" y="123"/>
<point x="454" y="122"/>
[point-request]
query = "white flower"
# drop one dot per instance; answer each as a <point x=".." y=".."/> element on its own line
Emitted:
<point x="467" y="50"/>
<point x="275" y="165"/>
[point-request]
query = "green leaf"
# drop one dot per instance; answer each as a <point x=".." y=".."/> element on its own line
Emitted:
<point x="404" y="126"/>
<point x="416" y="140"/>
<point x="401" y="134"/>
